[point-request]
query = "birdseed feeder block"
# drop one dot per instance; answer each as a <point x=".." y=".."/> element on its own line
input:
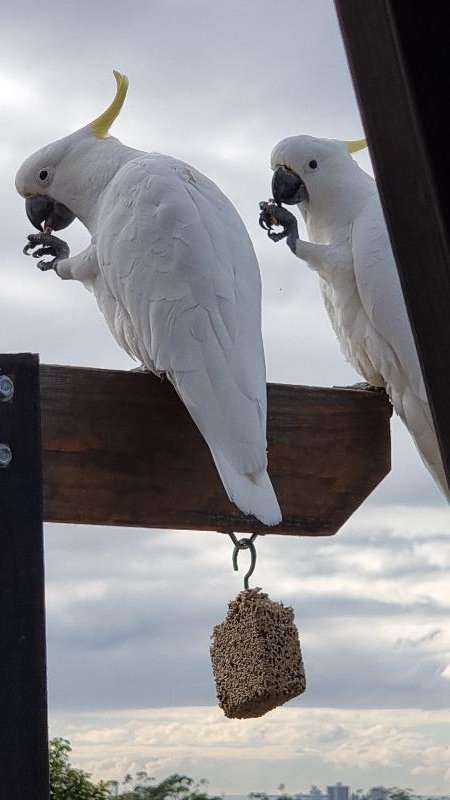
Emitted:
<point x="256" y="656"/>
<point x="255" y="652"/>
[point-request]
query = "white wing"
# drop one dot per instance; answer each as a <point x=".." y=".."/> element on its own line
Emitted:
<point x="180" y="267"/>
<point x="389" y="340"/>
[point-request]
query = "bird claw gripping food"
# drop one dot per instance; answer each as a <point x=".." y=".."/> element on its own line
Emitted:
<point x="47" y="245"/>
<point x="272" y="214"/>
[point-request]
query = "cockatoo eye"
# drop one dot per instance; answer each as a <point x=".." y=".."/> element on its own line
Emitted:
<point x="44" y="176"/>
<point x="313" y="163"/>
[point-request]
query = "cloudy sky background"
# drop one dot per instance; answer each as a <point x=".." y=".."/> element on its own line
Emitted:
<point x="130" y="612"/>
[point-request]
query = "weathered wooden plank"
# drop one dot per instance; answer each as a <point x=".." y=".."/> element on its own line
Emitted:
<point x="121" y="449"/>
<point x="23" y="698"/>
<point x="400" y="62"/>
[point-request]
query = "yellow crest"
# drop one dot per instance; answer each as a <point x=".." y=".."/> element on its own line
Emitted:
<point x="102" y="124"/>
<point x="359" y="144"/>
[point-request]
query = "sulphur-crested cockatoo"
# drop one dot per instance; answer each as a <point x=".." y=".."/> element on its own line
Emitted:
<point x="175" y="275"/>
<point x="350" y="250"/>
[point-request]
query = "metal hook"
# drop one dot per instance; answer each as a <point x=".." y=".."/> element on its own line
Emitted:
<point x="244" y="544"/>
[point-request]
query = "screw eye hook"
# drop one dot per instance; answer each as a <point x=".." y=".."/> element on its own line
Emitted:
<point x="244" y="544"/>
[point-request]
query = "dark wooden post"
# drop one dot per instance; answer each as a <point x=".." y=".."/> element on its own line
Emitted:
<point x="23" y="695"/>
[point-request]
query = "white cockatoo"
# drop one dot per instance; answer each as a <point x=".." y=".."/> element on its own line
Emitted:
<point x="175" y="274"/>
<point x="350" y="250"/>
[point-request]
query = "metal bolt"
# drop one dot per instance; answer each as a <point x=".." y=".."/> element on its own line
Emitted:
<point x="6" y="388"/>
<point x="5" y="455"/>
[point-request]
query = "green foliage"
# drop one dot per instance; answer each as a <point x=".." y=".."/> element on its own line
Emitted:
<point x="265" y="796"/>
<point x="68" y="783"/>
<point x="174" y="787"/>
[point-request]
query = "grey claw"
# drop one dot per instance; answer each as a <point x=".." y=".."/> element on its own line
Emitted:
<point x="51" y="246"/>
<point x="41" y="251"/>
<point x="266" y="220"/>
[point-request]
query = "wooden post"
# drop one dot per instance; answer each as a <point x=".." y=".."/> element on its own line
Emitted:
<point x="23" y="695"/>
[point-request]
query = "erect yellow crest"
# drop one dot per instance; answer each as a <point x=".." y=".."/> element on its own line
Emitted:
<point x="102" y="124"/>
<point x="359" y="144"/>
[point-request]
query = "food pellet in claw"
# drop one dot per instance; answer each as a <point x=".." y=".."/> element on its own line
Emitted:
<point x="256" y="657"/>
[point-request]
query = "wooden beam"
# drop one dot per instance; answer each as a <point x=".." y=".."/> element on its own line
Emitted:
<point x="23" y="699"/>
<point x="400" y="62"/>
<point x="119" y="448"/>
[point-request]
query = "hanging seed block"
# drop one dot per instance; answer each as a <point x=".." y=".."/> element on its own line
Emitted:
<point x="256" y="656"/>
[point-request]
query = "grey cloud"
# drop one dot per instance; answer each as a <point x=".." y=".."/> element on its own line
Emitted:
<point x="334" y="607"/>
<point x="430" y="636"/>
<point x="169" y="44"/>
<point x="374" y="679"/>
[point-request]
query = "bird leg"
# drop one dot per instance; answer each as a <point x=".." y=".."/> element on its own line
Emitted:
<point x="49" y="246"/>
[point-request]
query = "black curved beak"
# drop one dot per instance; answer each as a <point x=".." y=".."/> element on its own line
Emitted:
<point x="41" y="209"/>
<point x="287" y="187"/>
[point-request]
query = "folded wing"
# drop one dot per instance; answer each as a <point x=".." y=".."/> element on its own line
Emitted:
<point x="184" y="285"/>
<point x="389" y="341"/>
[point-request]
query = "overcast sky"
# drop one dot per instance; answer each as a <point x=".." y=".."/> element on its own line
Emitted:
<point x="130" y="613"/>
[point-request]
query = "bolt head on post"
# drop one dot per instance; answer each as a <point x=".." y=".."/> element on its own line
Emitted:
<point x="6" y="388"/>
<point x="5" y="455"/>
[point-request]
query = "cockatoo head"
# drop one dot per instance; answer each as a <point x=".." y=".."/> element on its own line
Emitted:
<point x="306" y="168"/>
<point x="57" y="178"/>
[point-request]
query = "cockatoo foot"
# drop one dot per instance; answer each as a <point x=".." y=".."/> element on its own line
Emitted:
<point x="51" y="246"/>
<point x="366" y="387"/>
<point x="369" y="387"/>
<point x="272" y="215"/>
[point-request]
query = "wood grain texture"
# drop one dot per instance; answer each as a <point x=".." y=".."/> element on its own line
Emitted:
<point x="119" y="448"/>
<point x="400" y="62"/>
<point x="23" y="691"/>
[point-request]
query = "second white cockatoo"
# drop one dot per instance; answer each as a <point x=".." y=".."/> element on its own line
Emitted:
<point x="175" y="274"/>
<point x="349" y="248"/>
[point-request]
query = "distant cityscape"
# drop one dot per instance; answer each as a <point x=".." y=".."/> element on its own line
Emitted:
<point x="337" y="792"/>
<point x="342" y="792"/>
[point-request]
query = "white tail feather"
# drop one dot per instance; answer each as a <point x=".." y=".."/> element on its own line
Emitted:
<point x="252" y="494"/>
